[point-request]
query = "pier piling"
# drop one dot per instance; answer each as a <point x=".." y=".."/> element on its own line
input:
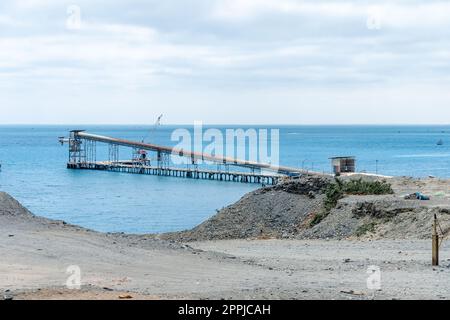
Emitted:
<point x="83" y="155"/>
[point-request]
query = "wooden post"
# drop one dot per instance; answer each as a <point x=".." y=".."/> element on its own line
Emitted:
<point x="435" y="244"/>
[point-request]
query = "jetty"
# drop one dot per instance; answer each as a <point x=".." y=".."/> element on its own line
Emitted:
<point x="83" y="155"/>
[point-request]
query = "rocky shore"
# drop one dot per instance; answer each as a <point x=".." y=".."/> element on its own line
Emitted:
<point x="265" y="246"/>
<point x="286" y="211"/>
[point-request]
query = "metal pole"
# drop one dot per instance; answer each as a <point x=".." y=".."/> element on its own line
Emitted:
<point x="435" y="243"/>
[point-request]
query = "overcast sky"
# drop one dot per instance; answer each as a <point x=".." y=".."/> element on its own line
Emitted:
<point x="224" y="61"/>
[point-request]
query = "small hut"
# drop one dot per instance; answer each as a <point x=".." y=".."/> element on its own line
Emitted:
<point x="343" y="164"/>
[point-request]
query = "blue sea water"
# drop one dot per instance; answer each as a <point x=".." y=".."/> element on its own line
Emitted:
<point x="34" y="172"/>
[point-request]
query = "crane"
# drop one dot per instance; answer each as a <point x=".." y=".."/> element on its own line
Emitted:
<point x="140" y="155"/>
<point x="153" y="129"/>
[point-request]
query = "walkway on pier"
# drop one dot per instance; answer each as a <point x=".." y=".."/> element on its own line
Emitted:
<point x="82" y="155"/>
<point x="235" y="176"/>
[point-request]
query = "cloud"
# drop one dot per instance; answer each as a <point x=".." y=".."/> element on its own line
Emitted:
<point x="330" y="37"/>
<point x="9" y="22"/>
<point x="33" y="4"/>
<point x="240" y="9"/>
<point x="228" y="46"/>
<point x="400" y="14"/>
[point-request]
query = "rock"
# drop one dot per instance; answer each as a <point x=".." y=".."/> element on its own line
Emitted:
<point x="306" y="185"/>
<point x="353" y="293"/>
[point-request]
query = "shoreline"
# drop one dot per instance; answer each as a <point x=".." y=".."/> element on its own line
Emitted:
<point x="36" y="253"/>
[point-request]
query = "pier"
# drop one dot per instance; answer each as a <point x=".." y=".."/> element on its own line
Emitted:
<point x="178" y="172"/>
<point x="83" y="156"/>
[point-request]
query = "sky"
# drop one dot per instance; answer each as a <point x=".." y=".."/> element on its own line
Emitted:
<point x="224" y="62"/>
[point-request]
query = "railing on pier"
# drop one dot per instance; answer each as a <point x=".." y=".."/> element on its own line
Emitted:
<point x="82" y="155"/>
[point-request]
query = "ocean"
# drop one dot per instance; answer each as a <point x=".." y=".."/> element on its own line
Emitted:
<point x="34" y="172"/>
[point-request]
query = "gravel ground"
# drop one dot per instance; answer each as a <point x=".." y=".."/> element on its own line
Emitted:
<point x="36" y="253"/>
<point x="339" y="269"/>
<point x="273" y="212"/>
<point x="286" y="210"/>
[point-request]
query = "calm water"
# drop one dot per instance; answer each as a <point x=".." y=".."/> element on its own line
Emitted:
<point x="33" y="171"/>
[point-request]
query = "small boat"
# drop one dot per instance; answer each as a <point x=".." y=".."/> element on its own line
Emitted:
<point x="440" y="143"/>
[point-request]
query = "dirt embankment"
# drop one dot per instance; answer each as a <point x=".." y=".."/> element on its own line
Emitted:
<point x="287" y="210"/>
<point x="272" y="212"/>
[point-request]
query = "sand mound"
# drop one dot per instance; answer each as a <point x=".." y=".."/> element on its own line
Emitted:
<point x="272" y="212"/>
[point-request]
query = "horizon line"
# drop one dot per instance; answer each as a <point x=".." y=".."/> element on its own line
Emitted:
<point x="227" y="124"/>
